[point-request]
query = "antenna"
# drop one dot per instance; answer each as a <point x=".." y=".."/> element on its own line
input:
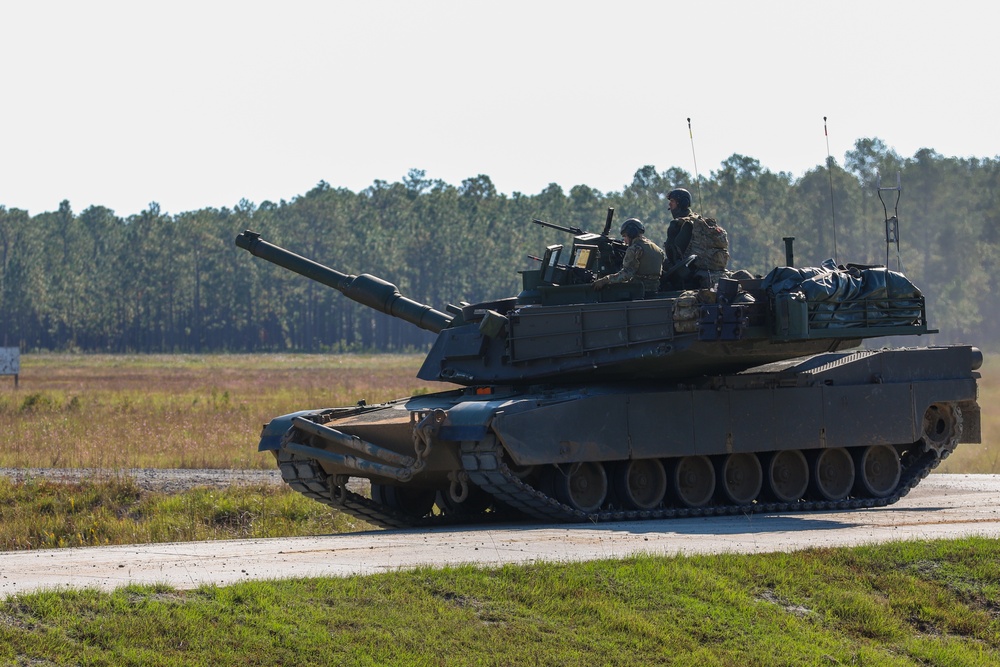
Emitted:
<point x="697" y="176"/>
<point x="829" y="170"/>
<point x="891" y="224"/>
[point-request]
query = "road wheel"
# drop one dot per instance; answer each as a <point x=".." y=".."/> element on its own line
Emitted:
<point x="694" y="480"/>
<point x="741" y="478"/>
<point x="641" y="483"/>
<point x="582" y="486"/>
<point x="787" y="475"/>
<point x="831" y="473"/>
<point x="878" y="471"/>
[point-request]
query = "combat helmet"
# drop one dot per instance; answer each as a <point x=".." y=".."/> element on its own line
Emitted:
<point x="632" y="227"/>
<point x="681" y="196"/>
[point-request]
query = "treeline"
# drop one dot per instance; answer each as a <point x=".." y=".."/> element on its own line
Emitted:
<point x="93" y="281"/>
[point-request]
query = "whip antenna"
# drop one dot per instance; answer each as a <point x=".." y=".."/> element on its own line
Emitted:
<point x="697" y="176"/>
<point x="829" y="170"/>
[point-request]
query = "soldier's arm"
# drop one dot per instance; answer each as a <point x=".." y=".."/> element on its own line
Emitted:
<point x="630" y="265"/>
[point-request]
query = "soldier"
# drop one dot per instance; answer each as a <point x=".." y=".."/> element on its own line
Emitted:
<point x="711" y="246"/>
<point x="643" y="259"/>
<point x="679" y="230"/>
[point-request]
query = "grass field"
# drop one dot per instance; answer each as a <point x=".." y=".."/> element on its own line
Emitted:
<point x="40" y="514"/>
<point x="178" y="411"/>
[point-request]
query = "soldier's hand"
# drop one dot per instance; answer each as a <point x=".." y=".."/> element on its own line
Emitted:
<point x="601" y="283"/>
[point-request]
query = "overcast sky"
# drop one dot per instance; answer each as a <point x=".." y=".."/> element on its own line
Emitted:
<point x="202" y="104"/>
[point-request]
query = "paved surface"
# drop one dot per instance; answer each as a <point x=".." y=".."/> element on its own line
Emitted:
<point x="943" y="506"/>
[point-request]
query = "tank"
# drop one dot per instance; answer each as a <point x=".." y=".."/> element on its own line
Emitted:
<point x="573" y="404"/>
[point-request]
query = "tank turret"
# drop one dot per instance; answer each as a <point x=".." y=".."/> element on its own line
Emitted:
<point x="560" y="329"/>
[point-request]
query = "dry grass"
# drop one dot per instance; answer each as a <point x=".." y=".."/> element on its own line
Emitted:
<point x="178" y="411"/>
<point x="186" y="411"/>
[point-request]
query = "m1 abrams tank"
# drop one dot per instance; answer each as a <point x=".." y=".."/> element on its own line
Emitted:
<point x="585" y="405"/>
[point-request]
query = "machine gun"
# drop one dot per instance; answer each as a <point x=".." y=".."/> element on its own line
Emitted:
<point x="593" y="255"/>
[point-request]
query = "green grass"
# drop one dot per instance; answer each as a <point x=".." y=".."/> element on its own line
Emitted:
<point x="898" y="604"/>
<point x="37" y="514"/>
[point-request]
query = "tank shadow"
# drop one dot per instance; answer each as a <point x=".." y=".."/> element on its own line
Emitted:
<point x="731" y="525"/>
<point x="709" y="525"/>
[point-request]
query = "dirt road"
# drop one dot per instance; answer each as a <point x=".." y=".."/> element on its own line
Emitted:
<point x="943" y="506"/>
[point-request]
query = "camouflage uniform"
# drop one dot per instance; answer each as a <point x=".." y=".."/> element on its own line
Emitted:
<point x="643" y="260"/>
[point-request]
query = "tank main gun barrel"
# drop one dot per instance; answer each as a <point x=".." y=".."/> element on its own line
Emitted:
<point x="365" y="289"/>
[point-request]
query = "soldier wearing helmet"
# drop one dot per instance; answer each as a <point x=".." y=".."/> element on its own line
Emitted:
<point x="697" y="248"/>
<point x="678" y="233"/>
<point x="643" y="259"/>
<point x="678" y="238"/>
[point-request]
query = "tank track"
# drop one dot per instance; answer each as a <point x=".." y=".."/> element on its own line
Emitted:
<point x="308" y="478"/>
<point x="484" y="464"/>
<point x="483" y="461"/>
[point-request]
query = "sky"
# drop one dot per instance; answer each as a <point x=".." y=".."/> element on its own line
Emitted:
<point x="195" y="104"/>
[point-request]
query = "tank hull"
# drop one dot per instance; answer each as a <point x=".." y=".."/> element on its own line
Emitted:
<point x="853" y="428"/>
